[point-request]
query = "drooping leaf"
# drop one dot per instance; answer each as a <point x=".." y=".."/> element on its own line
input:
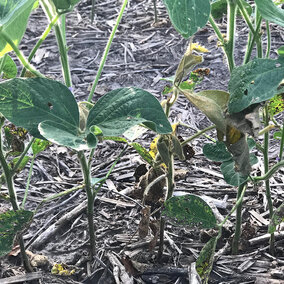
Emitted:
<point x="217" y="152"/>
<point x="254" y="82"/>
<point x="121" y="109"/>
<point x="187" y="63"/>
<point x="14" y="16"/>
<point x="28" y="102"/>
<point x="205" y="260"/>
<point x="212" y="103"/>
<point x="187" y="16"/>
<point x="277" y="219"/>
<point x="189" y="210"/>
<point x="9" y="68"/>
<point x="39" y="145"/>
<point x="270" y="12"/>
<point x="233" y="177"/>
<point x="12" y="222"/>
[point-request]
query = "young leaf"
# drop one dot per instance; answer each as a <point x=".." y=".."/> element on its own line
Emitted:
<point x="190" y="210"/>
<point x="205" y="260"/>
<point x="254" y="82"/>
<point x="270" y="12"/>
<point x="10" y="68"/>
<point x="277" y="219"/>
<point x="212" y="103"/>
<point x="121" y="109"/>
<point x="11" y="222"/>
<point x="14" y="16"/>
<point x="39" y="146"/>
<point x="187" y="16"/>
<point x="22" y="164"/>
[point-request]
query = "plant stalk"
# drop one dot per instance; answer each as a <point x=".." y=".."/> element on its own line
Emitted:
<point x="236" y="239"/>
<point x="90" y="204"/>
<point x="231" y="27"/>
<point x="40" y="41"/>
<point x="106" y="51"/>
<point x="13" y="199"/>
<point x="266" y="169"/>
<point x="268" y="33"/>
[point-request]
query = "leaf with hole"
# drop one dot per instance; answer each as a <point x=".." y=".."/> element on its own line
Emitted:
<point x="121" y="109"/>
<point x="11" y="223"/>
<point x="14" y="15"/>
<point x="187" y="16"/>
<point x="254" y="82"/>
<point x="189" y="210"/>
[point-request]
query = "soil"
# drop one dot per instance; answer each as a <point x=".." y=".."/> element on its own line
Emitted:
<point x="142" y="53"/>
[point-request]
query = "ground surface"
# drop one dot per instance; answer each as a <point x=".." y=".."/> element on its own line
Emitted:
<point x="141" y="54"/>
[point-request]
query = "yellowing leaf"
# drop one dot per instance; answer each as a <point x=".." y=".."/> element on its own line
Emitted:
<point x="199" y="48"/>
<point x="233" y="135"/>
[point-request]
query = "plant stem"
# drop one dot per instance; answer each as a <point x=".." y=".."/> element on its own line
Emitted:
<point x="231" y="27"/>
<point x="40" y="41"/>
<point x="270" y="173"/>
<point x="19" y="54"/>
<point x="197" y="134"/>
<point x="251" y="43"/>
<point x="217" y="31"/>
<point x="13" y="199"/>
<point x="155" y="11"/>
<point x="106" y="51"/>
<point x="93" y="10"/>
<point x="258" y="39"/>
<point x="235" y="243"/>
<point x="281" y="144"/>
<point x="266" y="169"/>
<point x="28" y="182"/>
<point x="268" y="47"/>
<point x="90" y="205"/>
<point x="245" y="15"/>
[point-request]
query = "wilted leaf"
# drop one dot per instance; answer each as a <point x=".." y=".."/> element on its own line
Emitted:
<point x="189" y="210"/>
<point x="12" y="222"/>
<point x="212" y="103"/>
<point x="143" y="153"/>
<point x="143" y="228"/>
<point x="276" y="104"/>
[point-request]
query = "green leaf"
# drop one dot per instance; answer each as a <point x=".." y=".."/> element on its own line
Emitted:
<point x="219" y="8"/>
<point x="121" y="109"/>
<point x="12" y="222"/>
<point x="39" y="145"/>
<point x="60" y="134"/>
<point x="189" y="210"/>
<point x="134" y="132"/>
<point x="64" y="4"/>
<point x="217" y="152"/>
<point x="277" y="219"/>
<point x="22" y="164"/>
<point x="28" y="102"/>
<point x="187" y="16"/>
<point x="9" y="68"/>
<point x="212" y="103"/>
<point x="143" y="153"/>
<point x="205" y="259"/>
<point x="270" y="12"/>
<point x="280" y="51"/>
<point x="14" y="16"/>
<point x="254" y="82"/>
